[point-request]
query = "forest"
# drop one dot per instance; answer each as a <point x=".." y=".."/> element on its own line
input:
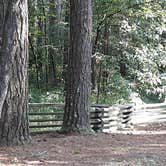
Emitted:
<point x="128" y="53"/>
<point x="77" y="62"/>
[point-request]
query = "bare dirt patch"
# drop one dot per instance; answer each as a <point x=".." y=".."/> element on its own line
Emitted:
<point x="101" y="149"/>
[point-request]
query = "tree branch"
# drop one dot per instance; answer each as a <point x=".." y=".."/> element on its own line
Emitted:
<point x="99" y="27"/>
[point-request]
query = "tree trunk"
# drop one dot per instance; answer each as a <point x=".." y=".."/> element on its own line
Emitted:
<point x="106" y="52"/>
<point x="51" y="36"/>
<point x="66" y="46"/>
<point x="93" y="60"/>
<point x="45" y="44"/>
<point x="13" y="72"/>
<point x="76" y="116"/>
<point x="35" y="61"/>
<point x="99" y="83"/>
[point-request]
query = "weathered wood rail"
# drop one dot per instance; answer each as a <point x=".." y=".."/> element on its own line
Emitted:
<point x="47" y="117"/>
<point x="149" y="113"/>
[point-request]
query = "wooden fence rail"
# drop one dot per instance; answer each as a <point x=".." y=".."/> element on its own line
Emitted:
<point x="61" y="105"/>
<point x="149" y="113"/>
<point x="45" y="117"/>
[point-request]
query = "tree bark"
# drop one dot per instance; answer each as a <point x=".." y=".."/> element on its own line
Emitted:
<point x="51" y="37"/>
<point x="77" y="106"/>
<point x="66" y="47"/>
<point x="13" y="72"/>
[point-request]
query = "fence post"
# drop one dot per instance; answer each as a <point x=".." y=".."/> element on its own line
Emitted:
<point x="96" y="119"/>
<point x="125" y="113"/>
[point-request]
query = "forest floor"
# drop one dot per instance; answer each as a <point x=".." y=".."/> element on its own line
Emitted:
<point x="146" y="148"/>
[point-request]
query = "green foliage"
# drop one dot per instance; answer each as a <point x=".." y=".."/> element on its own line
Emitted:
<point x="137" y="38"/>
<point x="117" y="91"/>
<point x="41" y="96"/>
<point x="152" y="97"/>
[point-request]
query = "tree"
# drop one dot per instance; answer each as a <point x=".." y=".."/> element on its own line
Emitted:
<point x="13" y="72"/>
<point x="76" y="116"/>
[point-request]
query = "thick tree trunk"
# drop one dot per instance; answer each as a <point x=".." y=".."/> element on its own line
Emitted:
<point x="13" y="72"/>
<point x="76" y="116"/>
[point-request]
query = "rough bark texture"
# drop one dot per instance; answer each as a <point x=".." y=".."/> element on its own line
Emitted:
<point x="79" y="68"/>
<point x="13" y="71"/>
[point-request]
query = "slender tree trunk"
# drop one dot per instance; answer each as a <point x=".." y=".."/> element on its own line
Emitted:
<point x="59" y="18"/>
<point x="51" y="35"/>
<point x="45" y="44"/>
<point x="99" y="83"/>
<point x="93" y="61"/>
<point x="93" y="75"/>
<point x="13" y="72"/>
<point x="76" y="116"/>
<point x="39" y="44"/>
<point x="36" y="62"/>
<point x="106" y="52"/>
<point x="66" y="46"/>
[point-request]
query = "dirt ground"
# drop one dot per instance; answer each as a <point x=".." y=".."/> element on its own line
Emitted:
<point x="101" y="149"/>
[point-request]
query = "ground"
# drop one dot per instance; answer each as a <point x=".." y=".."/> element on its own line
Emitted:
<point x="101" y="149"/>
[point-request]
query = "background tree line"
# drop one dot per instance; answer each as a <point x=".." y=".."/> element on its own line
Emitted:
<point x="128" y="49"/>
